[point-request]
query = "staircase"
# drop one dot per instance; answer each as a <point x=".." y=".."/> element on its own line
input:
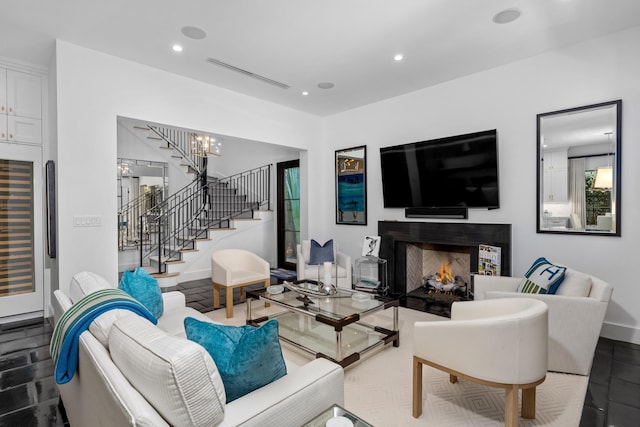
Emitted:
<point x="170" y="234"/>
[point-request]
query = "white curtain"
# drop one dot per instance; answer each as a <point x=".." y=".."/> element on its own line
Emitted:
<point x="577" y="193"/>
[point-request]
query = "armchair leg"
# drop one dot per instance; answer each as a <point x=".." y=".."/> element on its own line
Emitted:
<point x="529" y="403"/>
<point x="229" y="298"/>
<point x="511" y="407"/>
<point x="417" y="387"/>
<point x="216" y="295"/>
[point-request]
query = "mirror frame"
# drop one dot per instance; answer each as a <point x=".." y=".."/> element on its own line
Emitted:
<point x="346" y="166"/>
<point x="616" y="200"/>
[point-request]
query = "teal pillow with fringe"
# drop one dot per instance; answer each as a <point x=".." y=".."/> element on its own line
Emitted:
<point x="247" y="357"/>
<point x="144" y="288"/>
<point x="543" y="277"/>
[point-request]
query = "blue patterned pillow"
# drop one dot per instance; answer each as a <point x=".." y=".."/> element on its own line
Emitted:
<point x="542" y="277"/>
<point x="247" y="357"/>
<point x="143" y="287"/>
<point x="321" y="253"/>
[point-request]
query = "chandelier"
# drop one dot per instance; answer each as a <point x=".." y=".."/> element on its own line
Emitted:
<point x="204" y="145"/>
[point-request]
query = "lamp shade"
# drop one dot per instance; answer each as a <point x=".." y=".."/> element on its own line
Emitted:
<point x="604" y="178"/>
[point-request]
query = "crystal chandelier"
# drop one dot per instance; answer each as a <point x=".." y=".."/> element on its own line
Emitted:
<point x="204" y="145"/>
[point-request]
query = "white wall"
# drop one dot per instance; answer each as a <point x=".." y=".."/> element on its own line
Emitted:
<point x="508" y="98"/>
<point x="92" y="90"/>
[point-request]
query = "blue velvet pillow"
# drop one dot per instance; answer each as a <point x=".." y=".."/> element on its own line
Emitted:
<point x="247" y="357"/>
<point x="321" y="253"/>
<point x="143" y="287"/>
<point x="542" y="277"/>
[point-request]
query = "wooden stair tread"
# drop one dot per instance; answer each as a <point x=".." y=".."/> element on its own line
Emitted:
<point x="175" y="261"/>
<point x="164" y="275"/>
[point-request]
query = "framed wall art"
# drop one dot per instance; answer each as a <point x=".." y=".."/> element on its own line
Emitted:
<point x="351" y="186"/>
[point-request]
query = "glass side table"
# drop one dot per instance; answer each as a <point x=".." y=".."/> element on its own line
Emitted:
<point x="337" y="416"/>
<point x="370" y="275"/>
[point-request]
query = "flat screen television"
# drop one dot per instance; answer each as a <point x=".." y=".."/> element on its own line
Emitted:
<point x="456" y="171"/>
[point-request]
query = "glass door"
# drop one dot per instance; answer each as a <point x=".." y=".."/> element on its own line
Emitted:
<point x="288" y="213"/>
<point x="21" y="236"/>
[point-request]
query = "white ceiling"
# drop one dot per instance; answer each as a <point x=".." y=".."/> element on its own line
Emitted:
<point x="301" y="43"/>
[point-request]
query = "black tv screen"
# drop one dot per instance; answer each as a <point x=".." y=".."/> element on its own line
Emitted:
<point x="456" y="171"/>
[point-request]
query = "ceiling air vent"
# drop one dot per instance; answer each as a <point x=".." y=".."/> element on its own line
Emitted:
<point x="248" y="73"/>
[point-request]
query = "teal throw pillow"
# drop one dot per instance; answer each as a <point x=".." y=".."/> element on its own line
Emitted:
<point x="321" y="253"/>
<point x="247" y="357"/>
<point x="542" y="277"/>
<point x="143" y="287"/>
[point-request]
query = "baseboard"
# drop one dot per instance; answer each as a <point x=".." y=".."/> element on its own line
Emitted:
<point x="620" y="333"/>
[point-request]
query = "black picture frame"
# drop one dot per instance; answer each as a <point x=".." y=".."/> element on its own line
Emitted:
<point x="50" y="175"/>
<point x="351" y="185"/>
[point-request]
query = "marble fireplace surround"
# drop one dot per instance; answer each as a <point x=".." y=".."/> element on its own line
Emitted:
<point x="396" y="235"/>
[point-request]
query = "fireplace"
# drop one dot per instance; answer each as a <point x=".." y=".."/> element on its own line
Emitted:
<point x="403" y="243"/>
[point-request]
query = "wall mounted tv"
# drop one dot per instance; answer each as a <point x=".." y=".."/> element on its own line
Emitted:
<point x="457" y="171"/>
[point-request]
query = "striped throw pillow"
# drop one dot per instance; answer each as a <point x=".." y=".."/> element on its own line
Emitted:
<point x="543" y="277"/>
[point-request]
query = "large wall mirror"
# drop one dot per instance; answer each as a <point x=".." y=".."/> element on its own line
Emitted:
<point x="579" y="170"/>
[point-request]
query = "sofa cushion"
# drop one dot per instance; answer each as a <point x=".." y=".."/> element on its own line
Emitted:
<point x="85" y="283"/>
<point x="176" y="376"/>
<point x="321" y="253"/>
<point x="575" y="284"/>
<point x="143" y="287"/>
<point x="247" y="357"/>
<point x="542" y="277"/>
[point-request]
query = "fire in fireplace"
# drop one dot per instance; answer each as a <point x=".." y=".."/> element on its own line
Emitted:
<point x="443" y="285"/>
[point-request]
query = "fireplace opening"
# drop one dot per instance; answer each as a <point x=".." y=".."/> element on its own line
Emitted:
<point x="438" y="273"/>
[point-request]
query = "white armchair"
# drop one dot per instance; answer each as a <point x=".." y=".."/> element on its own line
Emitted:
<point x="498" y="343"/>
<point x="576" y="314"/>
<point x="236" y="268"/>
<point x="310" y="272"/>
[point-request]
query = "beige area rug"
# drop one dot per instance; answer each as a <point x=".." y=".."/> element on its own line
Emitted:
<point x="378" y="388"/>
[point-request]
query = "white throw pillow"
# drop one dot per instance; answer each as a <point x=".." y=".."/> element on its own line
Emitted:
<point x="575" y="284"/>
<point x="85" y="283"/>
<point x="176" y="376"/>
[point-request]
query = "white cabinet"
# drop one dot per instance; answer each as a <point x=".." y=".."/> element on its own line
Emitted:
<point x="3" y="91"/>
<point x="555" y="176"/>
<point x="24" y="94"/>
<point x="20" y="107"/>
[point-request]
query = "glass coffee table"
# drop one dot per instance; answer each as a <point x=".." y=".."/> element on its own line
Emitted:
<point x="329" y="326"/>
<point x="337" y="416"/>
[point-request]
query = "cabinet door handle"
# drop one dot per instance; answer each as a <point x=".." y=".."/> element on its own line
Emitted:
<point x="2" y="108"/>
<point x="11" y="109"/>
<point x="2" y="134"/>
<point x="10" y="136"/>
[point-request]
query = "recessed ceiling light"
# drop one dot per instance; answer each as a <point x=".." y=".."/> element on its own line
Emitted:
<point x="193" y="33"/>
<point x="176" y="48"/>
<point x="506" y="16"/>
<point x="325" y="85"/>
<point x="398" y="57"/>
<point x="305" y="93"/>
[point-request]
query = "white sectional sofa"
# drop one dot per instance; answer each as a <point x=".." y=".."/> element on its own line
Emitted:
<point x="102" y="394"/>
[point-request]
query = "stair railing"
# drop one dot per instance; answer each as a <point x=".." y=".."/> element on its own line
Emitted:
<point x="180" y="141"/>
<point x="130" y="232"/>
<point x="188" y="214"/>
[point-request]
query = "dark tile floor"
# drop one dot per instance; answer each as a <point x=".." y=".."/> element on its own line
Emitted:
<point x="29" y="396"/>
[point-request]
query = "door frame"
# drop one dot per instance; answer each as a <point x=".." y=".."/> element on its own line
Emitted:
<point x="280" y="167"/>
